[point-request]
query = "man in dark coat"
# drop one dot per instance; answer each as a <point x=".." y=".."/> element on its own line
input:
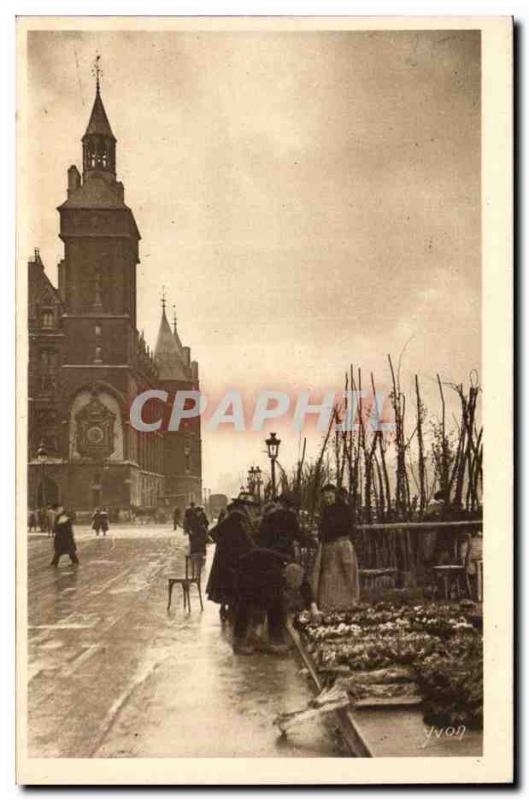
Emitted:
<point x="63" y="541"/>
<point x="233" y="540"/>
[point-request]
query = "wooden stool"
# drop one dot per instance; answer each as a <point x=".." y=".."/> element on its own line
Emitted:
<point x="193" y="573"/>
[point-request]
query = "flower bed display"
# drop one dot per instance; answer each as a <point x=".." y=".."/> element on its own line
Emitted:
<point x="436" y="648"/>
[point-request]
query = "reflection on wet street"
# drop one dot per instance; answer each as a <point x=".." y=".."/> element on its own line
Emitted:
<point x="112" y="674"/>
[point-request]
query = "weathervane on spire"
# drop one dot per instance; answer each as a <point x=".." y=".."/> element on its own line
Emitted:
<point x="163" y="298"/>
<point x="174" y="320"/>
<point x="97" y="72"/>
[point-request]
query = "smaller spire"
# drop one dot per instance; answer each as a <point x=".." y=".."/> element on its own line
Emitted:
<point x="167" y="354"/>
<point x="163" y="300"/>
<point x="174" y="320"/>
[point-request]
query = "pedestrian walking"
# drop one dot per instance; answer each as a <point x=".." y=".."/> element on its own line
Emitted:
<point x="32" y="521"/>
<point x="177" y="518"/>
<point x="335" y="576"/>
<point x="96" y="521"/>
<point x="103" y="516"/>
<point x="63" y="541"/>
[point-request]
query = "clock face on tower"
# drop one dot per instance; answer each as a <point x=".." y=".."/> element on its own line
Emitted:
<point x="95" y="435"/>
<point x="95" y="430"/>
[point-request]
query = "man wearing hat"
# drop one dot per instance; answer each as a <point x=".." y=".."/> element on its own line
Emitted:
<point x="196" y="527"/>
<point x="233" y="539"/>
<point x="63" y="541"/>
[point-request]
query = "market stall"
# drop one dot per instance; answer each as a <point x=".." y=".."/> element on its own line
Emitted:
<point x="401" y="679"/>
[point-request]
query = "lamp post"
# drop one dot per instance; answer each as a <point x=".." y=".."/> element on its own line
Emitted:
<point x="272" y="444"/>
<point x="258" y="482"/>
<point x="251" y="480"/>
<point x="42" y="455"/>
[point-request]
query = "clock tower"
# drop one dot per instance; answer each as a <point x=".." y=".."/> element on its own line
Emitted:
<point x="104" y="364"/>
<point x="88" y="360"/>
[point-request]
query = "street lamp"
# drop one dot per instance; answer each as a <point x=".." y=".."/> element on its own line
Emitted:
<point x="272" y="444"/>
<point x="42" y="455"/>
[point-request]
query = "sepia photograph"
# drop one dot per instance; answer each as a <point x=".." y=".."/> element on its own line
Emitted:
<point x="262" y="320"/>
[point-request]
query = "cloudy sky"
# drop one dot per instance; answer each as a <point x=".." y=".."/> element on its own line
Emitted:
<point x="308" y="199"/>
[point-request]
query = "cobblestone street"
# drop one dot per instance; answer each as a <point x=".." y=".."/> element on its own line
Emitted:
<point x="112" y="674"/>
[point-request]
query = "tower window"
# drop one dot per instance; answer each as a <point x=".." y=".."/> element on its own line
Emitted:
<point x="48" y="370"/>
<point x="47" y="320"/>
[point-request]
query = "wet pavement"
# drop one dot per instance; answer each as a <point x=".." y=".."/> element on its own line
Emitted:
<point x="112" y="674"/>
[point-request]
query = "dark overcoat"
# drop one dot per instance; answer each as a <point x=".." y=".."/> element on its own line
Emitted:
<point x="232" y="540"/>
<point x="63" y="541"/>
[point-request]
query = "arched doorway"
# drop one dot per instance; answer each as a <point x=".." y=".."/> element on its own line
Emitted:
<point x="47" y="493"/>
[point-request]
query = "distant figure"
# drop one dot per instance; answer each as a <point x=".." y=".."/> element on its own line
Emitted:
<point x="96" y="521"/>
<point x="196" y="527"/>
<point x="104" y="521"/>
<point x="50" y="519"/>
<point x="32" y="520"/>
<point x="177" y="518"/>
<point x="42" y="520"/>
<point x="63" y="542"/>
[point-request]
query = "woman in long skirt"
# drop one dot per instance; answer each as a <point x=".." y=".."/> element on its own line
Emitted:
<point x="335" y="578"/>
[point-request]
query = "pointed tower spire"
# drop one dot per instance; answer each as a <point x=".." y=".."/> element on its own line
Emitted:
<point x="99" y="143"/>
